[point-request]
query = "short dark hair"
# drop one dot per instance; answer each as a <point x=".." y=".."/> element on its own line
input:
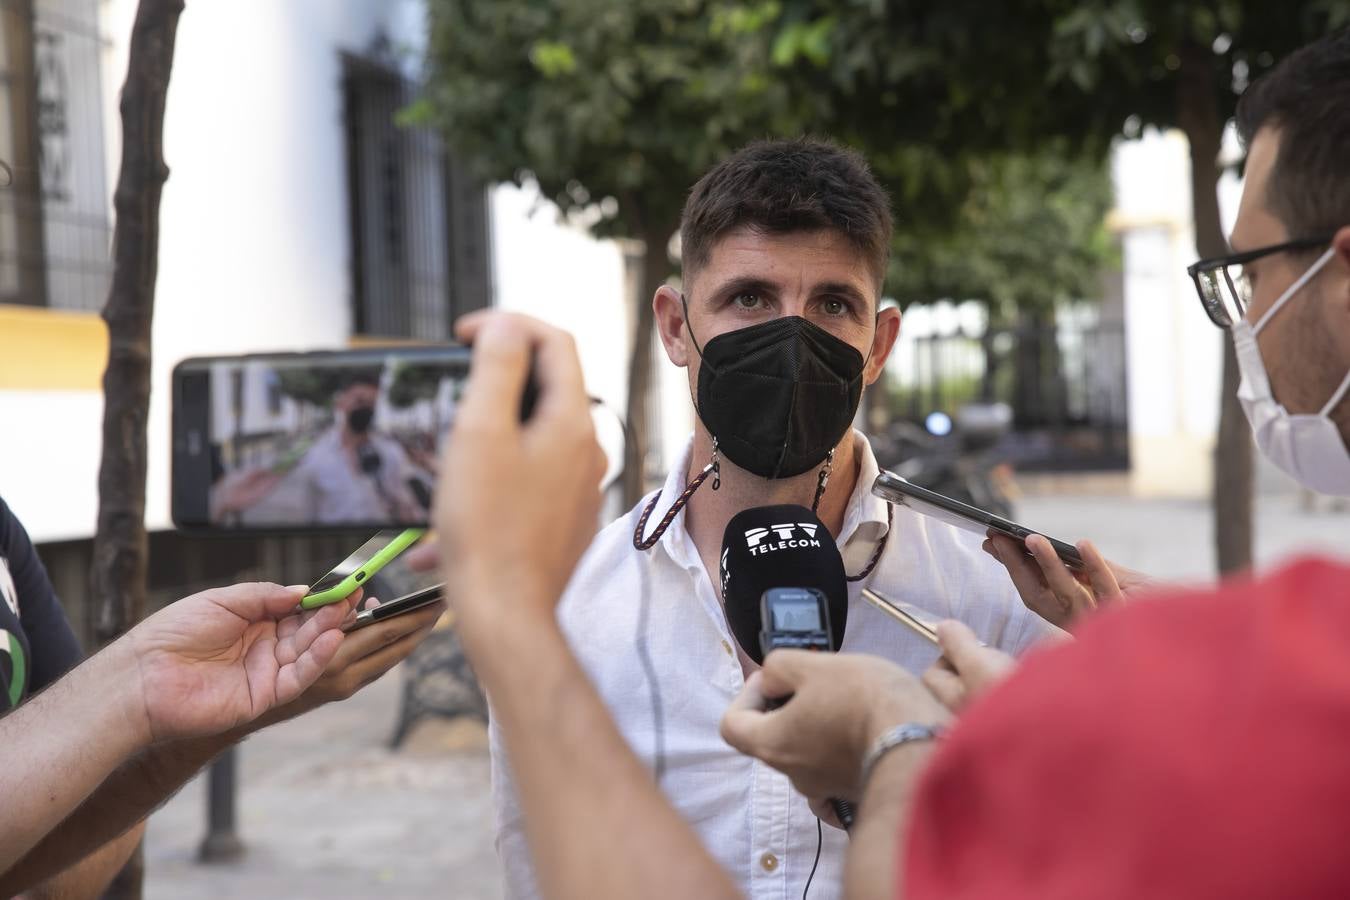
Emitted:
<point x="783" y="186"/>
<point x="1307" y="99"/>
<point x="363" y="377"/>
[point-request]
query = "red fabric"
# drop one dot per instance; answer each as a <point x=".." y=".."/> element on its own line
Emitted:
<point x="1193" y="746"/>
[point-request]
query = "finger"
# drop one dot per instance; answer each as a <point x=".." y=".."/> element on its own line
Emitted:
<point x="946" y="686"/>
<point x="556" y="363"/>
<point x="292" y="644"/>
<point x="297" y="677"/>
<point x="784" y="671"/>
<point x="1057" y="575"/>
<point x="1025" y="574"/>
<point x="501" y="363"/>
<point x="425" y="556"/>
<point x="824" y="811"/>
<point x="959" y="644"/>
<point x="1099" y="572"/>
<point x="562" y="388"/>
<point x="751" y="698"/>
<point x="372" y="666"/>
<point x="374" y="638"/>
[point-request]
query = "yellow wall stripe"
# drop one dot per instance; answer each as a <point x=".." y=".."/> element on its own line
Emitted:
<point x="51" y="350"/>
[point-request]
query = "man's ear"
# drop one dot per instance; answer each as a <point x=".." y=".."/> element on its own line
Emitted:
<point x="883" y="342"/>
<point x="1341" y="242"/>
<point x="670" y="324"/>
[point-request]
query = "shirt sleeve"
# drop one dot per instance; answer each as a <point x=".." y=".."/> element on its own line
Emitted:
<point x="52" y="643"/>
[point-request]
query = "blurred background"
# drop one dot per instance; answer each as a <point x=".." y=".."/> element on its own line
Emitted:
<point x="363" y="172"/>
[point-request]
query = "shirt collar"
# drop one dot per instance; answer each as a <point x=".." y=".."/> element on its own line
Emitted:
<point x="865" y="517"/>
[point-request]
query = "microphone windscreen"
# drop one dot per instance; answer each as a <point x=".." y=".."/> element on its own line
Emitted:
<point x="778" y="546"/>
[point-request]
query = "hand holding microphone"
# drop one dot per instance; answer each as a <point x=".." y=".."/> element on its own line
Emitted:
<point x="785" y="591"/>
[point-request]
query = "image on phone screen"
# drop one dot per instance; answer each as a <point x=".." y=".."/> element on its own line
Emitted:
<point x="342" y="439"/>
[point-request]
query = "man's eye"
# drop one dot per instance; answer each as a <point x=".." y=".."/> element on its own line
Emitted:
<point x="746" y="300"/>
<point x="833" y="307"/>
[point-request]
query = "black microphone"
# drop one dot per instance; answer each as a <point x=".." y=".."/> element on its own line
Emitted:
<point x="783" y="585"/>
<point x="779" y="547"/>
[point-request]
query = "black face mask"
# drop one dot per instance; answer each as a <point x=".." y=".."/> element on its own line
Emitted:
<point x="359" y="419"/>
<point x="778" y="396"/>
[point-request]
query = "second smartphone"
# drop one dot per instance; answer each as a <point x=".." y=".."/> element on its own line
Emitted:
<point x="894" y="489"/>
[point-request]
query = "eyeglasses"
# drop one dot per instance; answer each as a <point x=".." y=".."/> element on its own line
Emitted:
<point x="1226" y="290"/>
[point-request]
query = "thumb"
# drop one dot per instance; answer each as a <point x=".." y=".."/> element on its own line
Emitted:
<point x="256" y="601"/>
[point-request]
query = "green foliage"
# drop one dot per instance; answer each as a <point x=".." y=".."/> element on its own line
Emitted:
<point x="411" y="383"/>
<point x="615" y="107"/>
<point x="315" y="386"/>
<point x="1031" y="235"/>
<point x="619" y="108"/>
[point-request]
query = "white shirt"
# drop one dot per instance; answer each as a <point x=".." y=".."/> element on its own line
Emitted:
<point x="748" y="815"/>
<point x="334" y="491"/>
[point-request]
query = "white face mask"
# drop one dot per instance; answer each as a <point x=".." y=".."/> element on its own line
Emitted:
<point x="1308" y="447"/>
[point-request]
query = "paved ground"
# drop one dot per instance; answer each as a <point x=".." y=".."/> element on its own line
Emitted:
<point x="327" y="811"/>
<point x="1173" y="539"/>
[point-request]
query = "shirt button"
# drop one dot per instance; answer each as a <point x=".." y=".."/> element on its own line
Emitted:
<point x="769" y="862"/>
<point x="727" y="647"/>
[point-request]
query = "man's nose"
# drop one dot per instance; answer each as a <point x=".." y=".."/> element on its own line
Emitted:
<point x="793" y="306"/>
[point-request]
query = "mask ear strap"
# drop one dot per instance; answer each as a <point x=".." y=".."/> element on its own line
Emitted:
<point x="689" y="328"/>
<point x="1337" y="396"/>
<point x="1294" y="289"/>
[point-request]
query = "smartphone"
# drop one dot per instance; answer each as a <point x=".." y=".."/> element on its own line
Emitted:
<point x="894" y="489"/>
<point x="356" y="569"/>
<point x="335" y="440"/>
<point x="905" y="614"/>
<point x="405" y="604"/>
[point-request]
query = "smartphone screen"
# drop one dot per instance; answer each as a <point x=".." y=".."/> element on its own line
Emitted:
<point x="359" y="558"/>
<point x="341" y="440"/>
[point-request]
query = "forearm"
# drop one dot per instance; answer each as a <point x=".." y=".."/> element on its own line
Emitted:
<point x="120" y="804"/>
<point x="874" y="868"/>
<point x="597" y="825"/>
<point x="63" y="743"/>
<point x="90" y="876"/>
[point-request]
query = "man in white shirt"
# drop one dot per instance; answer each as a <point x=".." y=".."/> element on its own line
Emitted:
<point x="353" y="473"/>
<point x="784" y="250"/>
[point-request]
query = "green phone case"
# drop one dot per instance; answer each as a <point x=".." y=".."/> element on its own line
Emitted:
<point x="362" y="575"/>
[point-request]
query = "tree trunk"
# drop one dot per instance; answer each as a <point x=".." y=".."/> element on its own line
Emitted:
<point x="118" y="575"/>
<point x="1198" y="114"/>
<point x="24" y="178"/>
<point x="655" y="271"/>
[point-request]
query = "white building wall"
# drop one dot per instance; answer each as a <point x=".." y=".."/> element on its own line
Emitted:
<point x="555" y="271"/>
<point x="254" y="245"/>
<point x="1174" y="354"/>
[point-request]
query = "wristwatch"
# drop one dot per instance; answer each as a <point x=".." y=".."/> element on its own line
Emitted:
<point x="898" y="736"/>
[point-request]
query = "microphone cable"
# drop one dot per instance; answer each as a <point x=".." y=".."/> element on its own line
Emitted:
<point x="820" y="842"/>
